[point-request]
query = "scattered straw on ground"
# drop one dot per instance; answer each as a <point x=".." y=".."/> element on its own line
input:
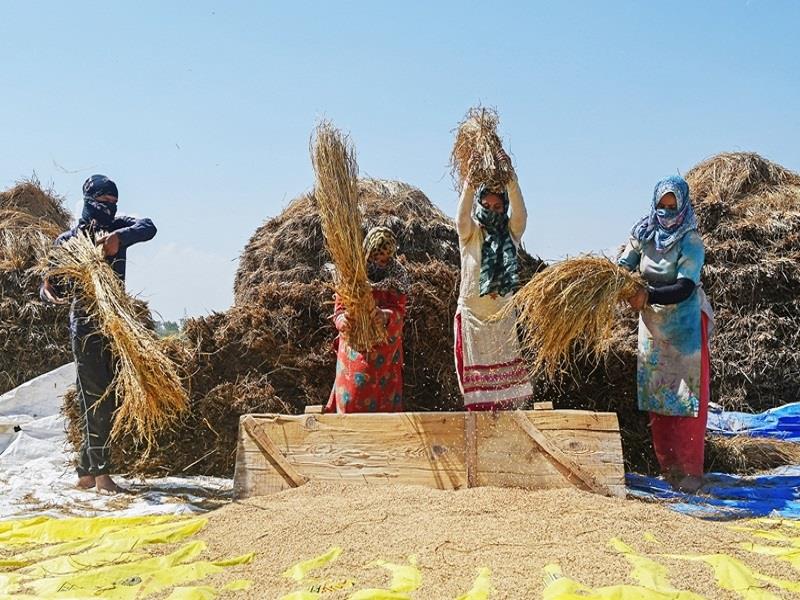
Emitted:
<point x="512" y="532"/>
<point x="749" y="455"/>
<point x="336" y="192"/>
<point x="146" y="381"/>
<point x="569" y="310"/>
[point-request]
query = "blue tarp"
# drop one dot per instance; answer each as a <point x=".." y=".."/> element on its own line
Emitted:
<point x="781" y="423"/>
<point x="726" y="497"/>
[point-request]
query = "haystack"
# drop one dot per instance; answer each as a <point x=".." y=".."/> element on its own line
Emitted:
<point x="748" y="210"/>
<point x="273" y="351"/>
<point x="33" y="335"/>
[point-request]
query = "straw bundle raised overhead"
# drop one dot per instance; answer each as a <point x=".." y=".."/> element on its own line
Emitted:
<point x="477" y="154"/>
<point x="336" y="193"/>
<point x="146" y="381"/>
<point x="569" y="309"/>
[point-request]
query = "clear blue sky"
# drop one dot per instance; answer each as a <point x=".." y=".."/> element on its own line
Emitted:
<point x="201" y="111"/>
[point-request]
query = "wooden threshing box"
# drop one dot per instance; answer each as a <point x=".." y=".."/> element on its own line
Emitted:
<point x="536" y="449"/>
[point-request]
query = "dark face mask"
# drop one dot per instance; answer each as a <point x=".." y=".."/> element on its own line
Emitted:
<point x="102" y="213"/>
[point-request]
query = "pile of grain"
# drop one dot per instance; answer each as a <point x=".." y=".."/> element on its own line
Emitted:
<point x="515" y="533"/>
<point x="33" y="335"/>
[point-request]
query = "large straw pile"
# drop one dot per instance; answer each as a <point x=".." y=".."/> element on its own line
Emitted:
<point x="273" y="352"/>
<point x="336" y="191"/>
<point x="477" y="154"/>
<point x="749" y="214"/>
<point x="33" y="335"/>
<point x="748" y="210"/>
<point x="146" y="382"/>
<point x="568" y="311"/>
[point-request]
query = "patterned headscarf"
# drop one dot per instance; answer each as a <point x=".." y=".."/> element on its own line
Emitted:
<point x="498" y="253"/>
<point x="667" y="226"/>
<point x="379" y="239"/>
<point x="393" y="275"/>
<point x="99" y="185"/>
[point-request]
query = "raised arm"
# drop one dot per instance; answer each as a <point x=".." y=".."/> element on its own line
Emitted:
<point x="464" y="223"/>
<point x="518" y="219"/>
<point x="132" y="230"/>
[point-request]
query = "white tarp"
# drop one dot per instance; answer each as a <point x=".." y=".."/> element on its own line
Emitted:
<point x="37" y="477"/>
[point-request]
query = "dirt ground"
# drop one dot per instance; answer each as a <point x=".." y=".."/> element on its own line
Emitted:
<point x="512" y="532"/>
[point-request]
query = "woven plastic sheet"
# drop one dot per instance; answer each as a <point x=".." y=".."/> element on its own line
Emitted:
<point x="782" y="422"/>
<point x="727" y="497"/>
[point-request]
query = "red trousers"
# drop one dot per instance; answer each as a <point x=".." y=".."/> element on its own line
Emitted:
<point x="679" y="442"/>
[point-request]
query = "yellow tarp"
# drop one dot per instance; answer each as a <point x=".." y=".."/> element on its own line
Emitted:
<point x="106" y="557"/>
<point x="299" y="571"/>
<point x="481" y="588"/>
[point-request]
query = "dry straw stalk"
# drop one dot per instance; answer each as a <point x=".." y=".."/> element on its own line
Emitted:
<point x="569" y="309"/>
<point x="336" y="193"/>
<point x="477" y="154"/>
<point x="745" y="454"/>
<point x="24" y="238"/>
<point x="146" y="382"/>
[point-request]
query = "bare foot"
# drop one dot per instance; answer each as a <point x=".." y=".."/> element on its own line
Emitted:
<point x="85" y="482"/>
<point x="690" y="484"/>
<point x="673" y="477"/>
<point x="106" y="485"/>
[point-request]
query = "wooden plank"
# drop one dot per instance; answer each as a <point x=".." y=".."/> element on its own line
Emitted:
<point x="262" y="439"/>
<point x="586" y="476"/>
<point x="471" y="443"/>
<point x="509" y="457"/>
<point x="542" y="406"/>
<point x="314" y="409"/>
<point x="423" y="448"/>
<point x="440" y="450"/>
<point x="544" y="420"/>
<point x="242" y="487"/>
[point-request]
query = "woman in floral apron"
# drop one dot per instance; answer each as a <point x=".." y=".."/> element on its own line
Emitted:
<point x="675" y="322"/>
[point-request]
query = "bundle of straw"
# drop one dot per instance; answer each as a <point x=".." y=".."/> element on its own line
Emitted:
<point x="568" y="310"/>
<point x="146" y="381"/>
<point x="477" y="154"/>
<point x="336" y="193"/>
<point x="24" y="238"/>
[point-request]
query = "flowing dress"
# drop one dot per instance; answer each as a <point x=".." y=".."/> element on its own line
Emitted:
<point x="491" y="373"/>
<point x="371" y="381"/>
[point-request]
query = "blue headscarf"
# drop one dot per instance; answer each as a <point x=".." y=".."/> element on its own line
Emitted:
<point x="498" y="253"/>
<point x="667" y="226"/>
<point x="99" y="214"/>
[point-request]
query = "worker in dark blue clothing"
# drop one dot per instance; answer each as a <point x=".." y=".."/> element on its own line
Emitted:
<point x="93" y="361"/>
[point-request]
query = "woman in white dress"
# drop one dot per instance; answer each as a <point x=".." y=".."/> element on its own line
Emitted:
<point x="491" y="373"/>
